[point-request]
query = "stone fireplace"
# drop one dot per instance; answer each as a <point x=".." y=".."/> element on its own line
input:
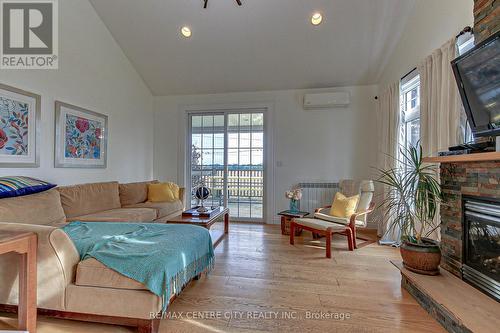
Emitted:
<point x="470" y="223"/>
<point x="464" y="297"/>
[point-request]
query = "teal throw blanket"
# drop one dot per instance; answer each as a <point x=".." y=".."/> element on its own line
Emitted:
<point x="163" y="257"/>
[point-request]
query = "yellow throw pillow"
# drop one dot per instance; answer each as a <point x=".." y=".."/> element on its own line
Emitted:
<point x="343" y="206"/>
<point x="175" y="190"/>
<point x="162" y="192"/>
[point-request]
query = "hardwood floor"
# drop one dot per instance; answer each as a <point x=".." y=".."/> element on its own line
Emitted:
<point x="261" y="283"/>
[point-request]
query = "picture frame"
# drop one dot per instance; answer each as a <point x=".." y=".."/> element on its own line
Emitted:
<point x="81" y="137"/>
<point x="20" y="113"/>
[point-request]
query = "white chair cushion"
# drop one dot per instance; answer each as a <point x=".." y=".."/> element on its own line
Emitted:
<point x="319" y="224"/>
<point x="341" y="220"/>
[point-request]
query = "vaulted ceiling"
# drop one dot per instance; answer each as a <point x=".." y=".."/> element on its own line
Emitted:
<point x="262" y="45"/>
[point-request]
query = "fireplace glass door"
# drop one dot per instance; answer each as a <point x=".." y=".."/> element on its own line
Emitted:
<point x="482" y="245"/>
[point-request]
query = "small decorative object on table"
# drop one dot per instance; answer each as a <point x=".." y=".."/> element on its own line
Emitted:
<point x="202" y="193"/>
<point x="209" y="211"/>
<point x="294" y="195"/>
<point x="286" y="217"/>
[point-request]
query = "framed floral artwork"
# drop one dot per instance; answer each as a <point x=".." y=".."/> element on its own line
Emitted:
<point x="81" y="137"/>
<point x="19" y="128"/>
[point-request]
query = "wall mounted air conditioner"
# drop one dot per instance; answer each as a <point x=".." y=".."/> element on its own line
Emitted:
<point x="326" y="100"/>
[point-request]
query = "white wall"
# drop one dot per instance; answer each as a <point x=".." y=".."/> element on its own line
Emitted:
<point x="431" y="24"/>
<point x="94" y="74"/>
<point x="317" y="145"/>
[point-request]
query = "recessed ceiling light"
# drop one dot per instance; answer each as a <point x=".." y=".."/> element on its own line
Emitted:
<point x="316" y="19"/>
<point x="186" y="32"/>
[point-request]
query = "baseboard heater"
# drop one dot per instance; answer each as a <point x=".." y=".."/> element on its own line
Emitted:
<point x="317" y="194"/>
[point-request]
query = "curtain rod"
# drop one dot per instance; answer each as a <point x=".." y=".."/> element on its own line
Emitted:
<point x="464" y="31"/>
<point x="407" y="74"/>
<point x="414" y="69"/>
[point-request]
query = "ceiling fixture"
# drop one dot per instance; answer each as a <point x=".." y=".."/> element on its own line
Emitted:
<point x="186" y="32"/>
<point x="205" y="3"/>
<point x="316" y="19"/>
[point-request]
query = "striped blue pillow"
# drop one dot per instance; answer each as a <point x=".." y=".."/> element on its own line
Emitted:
<point x="18" y="186"/>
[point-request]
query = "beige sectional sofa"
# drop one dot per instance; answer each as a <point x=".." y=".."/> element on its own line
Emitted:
<point x="113" y="202"/>
<point x="85" y="290"/>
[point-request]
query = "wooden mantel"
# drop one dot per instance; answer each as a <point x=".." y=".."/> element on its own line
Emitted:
<point x="478" y="157"/>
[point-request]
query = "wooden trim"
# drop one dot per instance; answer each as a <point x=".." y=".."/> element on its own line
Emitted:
<point x="317" y="210"/>
<point x="28" y="286"/>
<point x="352" y="222"/>
<point x="226" y="222"/>
<point x="454" y="303"/>
<point x="328" y="243"/>
<point x="479" y="157"/>
<point x="358" y="214"/>
<point x="142" y="325"/>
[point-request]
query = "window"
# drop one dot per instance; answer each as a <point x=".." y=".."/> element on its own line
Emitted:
<point x="410" y="101"/>
<point x="410" y="110"/>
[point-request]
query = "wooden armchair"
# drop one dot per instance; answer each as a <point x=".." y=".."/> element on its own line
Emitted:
<point x="326" y="225"/>
<point x="354" y="220"/>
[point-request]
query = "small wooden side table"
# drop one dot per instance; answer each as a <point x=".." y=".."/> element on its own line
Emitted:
<point x="286" y="217"/>
<point x="25" y="244"/>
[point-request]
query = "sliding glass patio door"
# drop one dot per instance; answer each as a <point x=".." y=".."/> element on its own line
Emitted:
<point x="227" y="155"/>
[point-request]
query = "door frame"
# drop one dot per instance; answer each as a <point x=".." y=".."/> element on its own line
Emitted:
<point x="267" y="109"/>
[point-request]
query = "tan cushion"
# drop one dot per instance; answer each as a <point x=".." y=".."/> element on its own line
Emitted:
<point x="86" y="199"/>
<point x="319" y="224"/>
<point x="341" y="220"/>
<point x="112" y="302"/>
<point x="93" y="273"/>
<point x="119" y="215"/>
<point x="134" y="193"/>
<point x="162" y="208"/>
<point x="41" y="208"/>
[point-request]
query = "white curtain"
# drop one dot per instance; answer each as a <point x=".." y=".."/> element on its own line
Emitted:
<point x="441" y="121"/>
<point x="388" y="129"/>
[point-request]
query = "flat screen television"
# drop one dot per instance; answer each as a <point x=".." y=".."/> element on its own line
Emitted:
<point x="477" y="73"/>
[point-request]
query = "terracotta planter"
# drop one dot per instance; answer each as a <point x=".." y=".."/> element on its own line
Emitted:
<point x="421" y="258"/>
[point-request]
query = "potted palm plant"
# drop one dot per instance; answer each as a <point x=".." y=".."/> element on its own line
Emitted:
<point x="412" y="198"/>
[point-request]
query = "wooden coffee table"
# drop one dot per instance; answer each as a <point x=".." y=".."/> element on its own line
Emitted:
<point x="207" y="222"/>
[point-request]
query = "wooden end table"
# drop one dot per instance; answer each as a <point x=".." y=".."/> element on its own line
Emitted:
<point x="207" y="222"/>
<point x="286" y="217"/>
<point x="25" y="244"/>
